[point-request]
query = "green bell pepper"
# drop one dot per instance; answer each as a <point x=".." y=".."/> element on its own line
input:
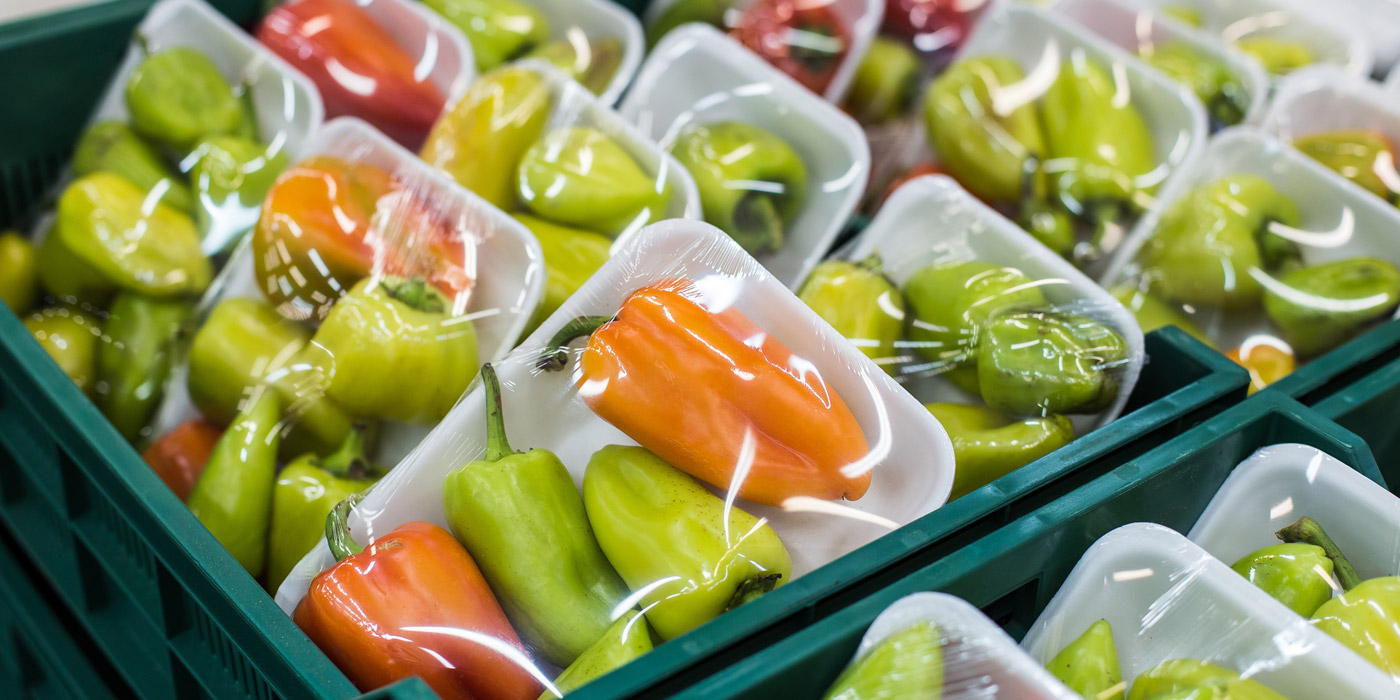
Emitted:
<point x="521" y="517"/>
<point x="1152" y="313"/>
<point x="177" y="96"/>
<point x="1366" y="157"/>
<point x="570" y="258"/>
<point x="498" y="30"/>
<point x="950" y="302"/>
<point x="886" y="82"/>
<point x="861" y="304"/>
<point x="115" y="148"/>
<point x="579" y="176"/>
<point x="1089" y="664"/>
<point x="306" y="492"/>
<point x="752" y="183"/>
<point x="591" y="64"/>
<point x="1182" y="675"/>
<point x="983" y="143"/>
<point x="988" y="445"/>
<point x="391" y="349"/>
<point x="694" y="555"/>
<point x="680" y="12"/>
<point x="1041" y="363"/>
<point x="1278" y="56"/>
<point x="232" y="175"/>
<point x="233" y="497"/>
<point x="71" y="338"/>
<point x="1297" y="575"/>
<point x="19" y="272"/>
<point x="108" y="238"/>
<point x="1211" y="80"/>
<point x="627" y="639"/>
<point x="142" y="335"/>
<point x="1209" y="243"/>
<point x="1321" y="307"/>
<point x="905" y="665"/>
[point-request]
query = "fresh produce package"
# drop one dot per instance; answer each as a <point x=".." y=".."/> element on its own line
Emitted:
<point x="1264" y="253"/>
<point x="344" y="328"/>
<point x="165" y="182"/>
<point x="1146" y="615"/>
<point x="777" y="168"/>
<point x="538" y="145"/>
<point x="1318" y="537"/>
<point x="1013" y="350"/>
<point x="392" y="63"/>
<point x="818" y="43"/>
<point x="1065" y="134"/>
<point x="681" y="437"/>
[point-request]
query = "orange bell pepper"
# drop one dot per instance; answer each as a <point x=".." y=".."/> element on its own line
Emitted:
<point x="328" y="223"/>
<point x="414" y="603"/>
<point x="692" y="386"/>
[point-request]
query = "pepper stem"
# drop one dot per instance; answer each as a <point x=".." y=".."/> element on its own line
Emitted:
<point x="497" y="446"/>
<point x="752" y="588"/>
<point x="1309" y="531"/>
<point x="338" y="536"/>
<point x="556" y="354"/>
<point x="757" y="224"/>
<point x="415" y="292"/>
<point x="349" y="459"/>
<point x="872" y="263"/>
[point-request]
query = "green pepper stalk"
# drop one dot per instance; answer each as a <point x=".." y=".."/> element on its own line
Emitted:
<point x="177" y="96"/>
<point x="521" y="517"/>
<point x="1089" y="664"/>
<point x="579" y="176"/>
<point x="1308" y="531"/>
<point x="142" y="333"/>
<point x="1043" y="363"/>
<point x="907" y="664"/>
<point x="115" y="148"/>
<point x="988" y="445"/>
<point x="861" y="304"/>
<point x="306" y="491"/>
<point x="627" y="639"/>
<point x="233" y="497"/>
<point x="752" y="183"/>
<point x="390" y="349"/>
<point x="692" y="554"/>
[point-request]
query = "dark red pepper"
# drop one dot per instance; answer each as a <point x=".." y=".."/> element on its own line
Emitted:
<point x="804" y="38"/>
<point x="932" y="25"/>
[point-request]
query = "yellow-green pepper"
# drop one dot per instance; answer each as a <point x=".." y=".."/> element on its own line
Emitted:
<point x="1364" y="156"/>
<point x="498" y="30"/>
<point x="1296" y="574"/>
<point x="1089" y="664"/>
<point x="19" y="272"/>
<point x="579" y="176"/>
<point x="988" y="445"/>
<point x="886" y="82"/>
<point x="232" y="176"/>
<point x="1210" y="80"/>
<point x="906" y="665"/>
<point x="628" y="638"/>
<point x="142" y="334"/>
<point x="1182" y="675"/>
<point x="861" y="304"/>
<point x="1323" y="306"/>
<point x="115" y="148"/>
<point x="233" y="497"/>
<point x="570" y="258"/>
<point x="591" y="64"/>
<point x="1278" y="56"/>
<point x="1043" y="362"/>
<point x="177" y="96"/>
<point x="950" y="302"/>
<point x="983" y="142"/>
<point x="70" y="337"/>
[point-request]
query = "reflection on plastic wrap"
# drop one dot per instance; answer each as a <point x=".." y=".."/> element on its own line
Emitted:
<point x="1002" y="340"/>
<point x="1264" y="253"/>
<point x="706" y="444"/>
<point x="933" y="645"/>
<point x="1149" y="612"/>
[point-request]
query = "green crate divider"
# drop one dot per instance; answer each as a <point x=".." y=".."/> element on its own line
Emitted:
<point x="1370" y="407"/>
<point x="1012" y="574"/>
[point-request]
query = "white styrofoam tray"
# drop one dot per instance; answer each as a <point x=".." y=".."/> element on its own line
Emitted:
<point x="599" y="19"/>
<point x="1376" y="21"/>
<point x="696" y="74"/>
<point x="911" y="453"/>
<point x="1166" y="598"/>
<point x="931" y="219"/>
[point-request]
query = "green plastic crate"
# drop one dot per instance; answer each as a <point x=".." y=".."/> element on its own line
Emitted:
<point x="1012" y="574"/>
<point x="1370" y="407"/>
<point x="1340" y="368"/>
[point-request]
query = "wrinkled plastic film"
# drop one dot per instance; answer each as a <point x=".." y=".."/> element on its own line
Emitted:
<point x="818" y="44"/>
<point x="1264" y="254"/>
<point x="1014" y="350"/>
<point x="1177" y="618"/>
<point x="768" y="483"/>
<point x="937" y="645"/>
<point x="777" y="168"/>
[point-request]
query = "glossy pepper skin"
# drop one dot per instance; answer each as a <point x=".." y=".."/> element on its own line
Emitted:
<point x="579" y="176"/>
<point x="1043" y="363"/>
<point x="232" y="175"/>
<point x="806" y="40"/>
<point x="1366" y="157"/>
<point x="1211" y="80"/>
<point x="1278" y="56"/>
<point x="628" y="638"/>
<point x="886" y="82"/>
<point x="861" y="304"/>
<point x="177" y="96"/>
<point x="1181" y="675"/>
<point x="906" y="665"/>
<point x="1089" y="664"/>
<point x="590" y="63"/>
<point x="1267" y="361"/>
<point x="413" y="603"/>
<point x="107" y="238"/>
<point x="571" y="257"/>
<point x="949" y="304"/>
<point x="988" y="445"/>
<point x="179" y="456"/>
<point x="522" y="518"/>
<point x="1297" y="575"/>
<point x="233" y="497"/>
<point x="657" y="524"/>
<point x="752" y="183"/>
<point x="71" y="338"/>
<point x="392" y="349"/>
<point x="328" y="223"/>
<point x="498" y="30"/>
<point x="934" y="25"/>
<point x="672" y="372"/>
<point x="116" y="148"/>
<point x="985" y="145"/>
<point x="19" y="272"/>
<point x="337" y="45"/>
<point x="307" y="490"/>
<point x="481" y="142"/>
<point x="142" y="334"/>
<point x="1323" y="306"/>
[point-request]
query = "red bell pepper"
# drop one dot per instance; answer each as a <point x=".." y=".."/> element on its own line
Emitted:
<point x="356" y="65"/>
<point x="178" y="457"/>
<point x="803" y="38"/>
<point x="414" y="603"/>
<point x="932" y="25"/>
